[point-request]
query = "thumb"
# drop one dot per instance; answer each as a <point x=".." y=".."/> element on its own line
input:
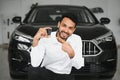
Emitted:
<point x="60" y="40"/>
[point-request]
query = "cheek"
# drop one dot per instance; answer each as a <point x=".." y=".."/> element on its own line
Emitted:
<point x="70" y="32"/>
<point x="61" y="29"/>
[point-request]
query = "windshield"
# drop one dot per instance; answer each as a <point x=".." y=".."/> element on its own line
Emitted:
<point x="53" y="15"/>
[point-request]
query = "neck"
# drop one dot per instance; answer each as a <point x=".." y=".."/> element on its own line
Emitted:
<point x="58" y="36"/>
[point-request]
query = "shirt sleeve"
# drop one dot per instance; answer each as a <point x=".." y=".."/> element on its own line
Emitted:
<point x="78" y="60"/>
<point x="37" y="54"/>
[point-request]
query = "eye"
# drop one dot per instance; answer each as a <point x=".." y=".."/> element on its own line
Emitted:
<point x="64" y="25"/>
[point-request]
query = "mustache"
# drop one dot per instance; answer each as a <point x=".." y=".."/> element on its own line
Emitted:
<point x="64" y="32"/>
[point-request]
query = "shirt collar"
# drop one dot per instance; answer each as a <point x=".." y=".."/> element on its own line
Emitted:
<point x="53" y="36"/>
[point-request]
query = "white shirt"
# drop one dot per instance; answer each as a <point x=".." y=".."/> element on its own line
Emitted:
<point x="54" y="58"/>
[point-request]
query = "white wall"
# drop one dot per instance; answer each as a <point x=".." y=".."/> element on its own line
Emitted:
<point x="91" y="4"/>
<point x="114" y="15"/>
<point x="10" y="8"/>
<point x="1" y="34"/>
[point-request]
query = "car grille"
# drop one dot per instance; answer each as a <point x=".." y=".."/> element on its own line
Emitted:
<point x="89" y="48"/>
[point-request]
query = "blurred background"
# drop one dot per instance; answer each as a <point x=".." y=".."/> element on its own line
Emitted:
<point x="11" y="8"/>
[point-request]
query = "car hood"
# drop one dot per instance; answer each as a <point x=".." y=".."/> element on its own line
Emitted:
<point x="91" y="32"/>
<point x="31" y="29"/>
<point x="86" y="32"/>
<point x="27" y="29"/>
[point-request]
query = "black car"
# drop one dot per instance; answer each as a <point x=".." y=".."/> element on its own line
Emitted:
<point x="99" y="47"/>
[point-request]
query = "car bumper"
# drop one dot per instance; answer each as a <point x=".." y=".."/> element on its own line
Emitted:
<point x="103" y="64"/>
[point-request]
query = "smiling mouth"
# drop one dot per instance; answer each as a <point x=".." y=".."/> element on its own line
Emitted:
<point x="64" y="34"/>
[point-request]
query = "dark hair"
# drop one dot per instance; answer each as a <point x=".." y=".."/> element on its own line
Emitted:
<point x="71" y="16"/>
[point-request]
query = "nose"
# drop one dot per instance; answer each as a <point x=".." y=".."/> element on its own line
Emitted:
<point x="66" y="29"/>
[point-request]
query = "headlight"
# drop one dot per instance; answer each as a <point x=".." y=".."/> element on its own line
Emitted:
<point x="22" y="37"/>
<point x="105" y="38"/>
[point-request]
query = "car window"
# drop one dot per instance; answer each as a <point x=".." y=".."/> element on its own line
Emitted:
<point x="53" y="15"/>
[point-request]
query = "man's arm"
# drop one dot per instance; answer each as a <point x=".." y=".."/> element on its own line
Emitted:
<point x="42" y="32"/>
<point x="37" y="54"/>
<point x="37" y="48"/>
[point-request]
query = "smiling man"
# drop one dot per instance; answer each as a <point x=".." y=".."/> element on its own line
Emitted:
<point x="52" y="58"/>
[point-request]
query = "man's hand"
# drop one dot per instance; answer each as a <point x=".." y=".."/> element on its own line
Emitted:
<point x="42" y="32"/>
<point x="66" y="47"/>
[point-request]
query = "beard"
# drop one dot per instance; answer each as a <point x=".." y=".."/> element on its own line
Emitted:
<point x="63" y="35"/>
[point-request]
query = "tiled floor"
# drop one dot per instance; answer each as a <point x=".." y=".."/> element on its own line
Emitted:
<point x="4" y="71"/>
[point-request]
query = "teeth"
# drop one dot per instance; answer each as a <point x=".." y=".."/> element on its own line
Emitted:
<point x="64" y="34"/>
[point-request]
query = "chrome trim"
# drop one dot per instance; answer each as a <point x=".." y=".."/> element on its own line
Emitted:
<point x="109" y="60"/>
<point x="19" y="60"/>
<point x="105" y="35"/>
<point x="23" y="35"/>
<point x="91" y="42"/>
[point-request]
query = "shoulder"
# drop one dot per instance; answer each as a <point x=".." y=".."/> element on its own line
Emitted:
<point x="75" y="37"/>
<point x="75" y="40"/>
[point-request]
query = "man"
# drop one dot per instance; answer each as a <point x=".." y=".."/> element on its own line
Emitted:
<point x="53" y="57"/>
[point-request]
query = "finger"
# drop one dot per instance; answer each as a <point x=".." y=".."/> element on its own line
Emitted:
<point x="45" y="34"/>
<point x="42" y="32"/>
<point x="60" y="40"/>
<point x="47" y="28"/>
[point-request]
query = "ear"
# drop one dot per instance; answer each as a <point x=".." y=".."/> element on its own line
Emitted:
<point x="74" y="29"/>
<point x="58" y="25"/>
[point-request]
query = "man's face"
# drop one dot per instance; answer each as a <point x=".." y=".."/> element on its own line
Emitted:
<point x="65" y="28"/>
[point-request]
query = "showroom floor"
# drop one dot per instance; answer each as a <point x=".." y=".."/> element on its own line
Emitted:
<point x="4" y="70"/>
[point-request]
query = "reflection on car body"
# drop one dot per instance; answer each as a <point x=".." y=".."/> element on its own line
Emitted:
<point x="99" y="46"/>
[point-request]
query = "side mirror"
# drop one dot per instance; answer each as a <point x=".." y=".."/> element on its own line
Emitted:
<point x="104" y="20"/>
<point x="17" y="19"/>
